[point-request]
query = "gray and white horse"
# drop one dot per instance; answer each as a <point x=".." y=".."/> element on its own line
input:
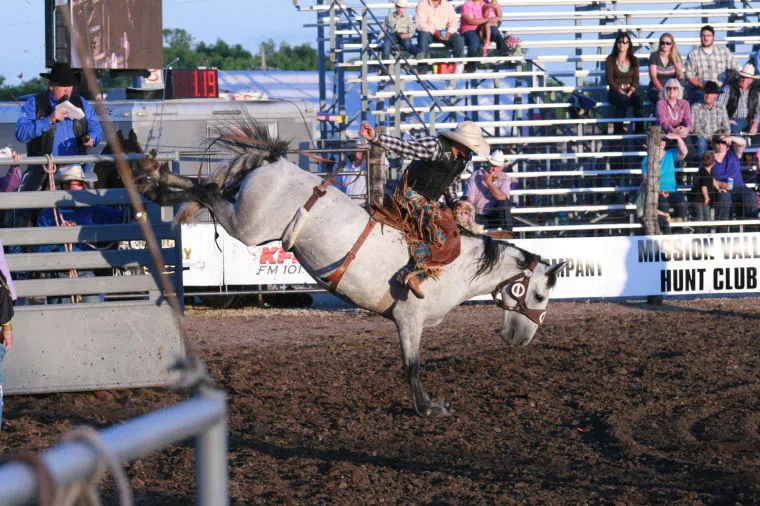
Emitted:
<point x="257" y="202"/>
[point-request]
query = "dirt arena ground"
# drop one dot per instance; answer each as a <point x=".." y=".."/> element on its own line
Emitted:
<point x="612" y="403"/>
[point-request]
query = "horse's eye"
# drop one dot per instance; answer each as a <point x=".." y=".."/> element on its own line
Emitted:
<point x="540" y="298"/>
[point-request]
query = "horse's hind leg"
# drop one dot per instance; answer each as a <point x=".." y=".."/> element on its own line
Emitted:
<point x="410" y="336"/>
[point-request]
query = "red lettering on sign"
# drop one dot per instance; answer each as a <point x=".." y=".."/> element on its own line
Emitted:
<point x="284" y="255"/>
<point x="267" y="255"/>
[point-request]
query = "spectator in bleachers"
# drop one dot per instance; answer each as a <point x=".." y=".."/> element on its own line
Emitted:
<point x="400" y="29"/>
<point x="437" y="20"/>
<point x="473" y="23"/>
<point x="728" y="181"/>
<point x="492" y="12"/>
<point x="488" y="191"/>
<point x="741" y="97"/>
<point x="669" y="195"/>
<point x="664" y="64"/>
<point x="709" y="118"/>
<point x="622" y="69"/>
<point x="699" y="196"/>
<point x="673" y="112"/>
<point x="708" y="62"/>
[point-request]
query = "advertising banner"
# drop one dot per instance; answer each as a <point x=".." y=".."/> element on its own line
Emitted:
<point x="596" y="267"/>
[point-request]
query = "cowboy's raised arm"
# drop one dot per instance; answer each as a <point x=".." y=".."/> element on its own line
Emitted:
<point x="424" y="148"/>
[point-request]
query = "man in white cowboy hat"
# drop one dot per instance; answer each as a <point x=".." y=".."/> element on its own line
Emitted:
<point x="399" y="28"/>
<point x="437" y="163"/>
<point x="708" y="62"/>
<point x="740" y="98"/>
<point x="47" y="129"/>
<point x="73" y="178"/>
<point x="488" y="191"/>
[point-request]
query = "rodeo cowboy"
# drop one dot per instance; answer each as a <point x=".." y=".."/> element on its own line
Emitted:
<point x="437" y="163"/>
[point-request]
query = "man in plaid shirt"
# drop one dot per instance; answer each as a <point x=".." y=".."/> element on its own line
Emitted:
<point x="708" y="62"/>
<point x="437" y="163"/>
<point x="709" y="118"/>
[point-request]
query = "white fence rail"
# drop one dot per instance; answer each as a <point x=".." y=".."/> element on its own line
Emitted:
<point x="202" y="418"/>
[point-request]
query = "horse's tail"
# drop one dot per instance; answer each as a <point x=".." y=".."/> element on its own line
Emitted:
<point x="251" y="144"/>
<point x="186" y="213"/>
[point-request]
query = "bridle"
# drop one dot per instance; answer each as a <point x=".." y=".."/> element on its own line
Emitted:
<point x="517" y="288"/>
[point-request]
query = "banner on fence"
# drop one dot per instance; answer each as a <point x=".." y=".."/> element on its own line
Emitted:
<point x="635" y="266"/>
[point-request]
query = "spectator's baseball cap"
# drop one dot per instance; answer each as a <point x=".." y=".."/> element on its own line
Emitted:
<point x="711" y="87"/>
<point x="68" y="173"/>
<point x="469" y="135"/>
<point x="61" y="74"/>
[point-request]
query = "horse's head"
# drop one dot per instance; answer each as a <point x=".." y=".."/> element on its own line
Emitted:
<point x="107" y="172"/>
<point x="524" y="298"/>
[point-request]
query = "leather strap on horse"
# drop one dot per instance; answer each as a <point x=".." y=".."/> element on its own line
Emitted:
<point x="335" y="277"/>
<point x="321" y="189"/>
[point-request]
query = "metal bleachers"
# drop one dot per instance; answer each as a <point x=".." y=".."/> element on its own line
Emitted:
<point x="573" y="175"/>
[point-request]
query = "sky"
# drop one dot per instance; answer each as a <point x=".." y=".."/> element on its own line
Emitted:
<point x="244" y="22"/>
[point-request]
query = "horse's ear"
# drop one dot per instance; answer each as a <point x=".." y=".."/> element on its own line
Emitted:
<point x="132" y="135"/>
<point x="153" y="152"/>
<point x="551" y="271"/>
<point x="120" y="135"/>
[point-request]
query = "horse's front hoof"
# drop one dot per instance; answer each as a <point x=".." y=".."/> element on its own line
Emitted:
<point x="439" y="409"/>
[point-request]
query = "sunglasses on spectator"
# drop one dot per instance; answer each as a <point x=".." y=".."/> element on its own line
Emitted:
<point x="666" y="43"/>
<point x="669" y="88"/>
<point x="721" y="141"/>
<point x="624" y="42"/>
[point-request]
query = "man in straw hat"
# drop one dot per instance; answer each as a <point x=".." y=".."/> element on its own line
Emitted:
<point x="47" y="129"/>
<point x="437" y="163"/>
<point x="740" y="97"/>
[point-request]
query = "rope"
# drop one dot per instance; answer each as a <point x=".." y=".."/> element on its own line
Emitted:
<point x="41" y="474"/>
<point x="84" y="493"/>
<point x="50" y="168"/>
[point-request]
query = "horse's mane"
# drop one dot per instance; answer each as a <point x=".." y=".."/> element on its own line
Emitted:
<point x="492" y="252"/>
<point x="251" y="145"/>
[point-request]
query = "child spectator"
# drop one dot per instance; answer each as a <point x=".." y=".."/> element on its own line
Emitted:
<point x="699" y="196"/>
<point x="465" y="215"/>
<point x="492" y="14"/>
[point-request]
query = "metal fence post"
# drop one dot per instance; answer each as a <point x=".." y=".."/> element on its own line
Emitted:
<point x="211" y="458"/>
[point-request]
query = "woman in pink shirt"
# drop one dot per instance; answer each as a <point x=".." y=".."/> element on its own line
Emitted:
<point x="472" y="19"/>
<point x="673" y="112"/>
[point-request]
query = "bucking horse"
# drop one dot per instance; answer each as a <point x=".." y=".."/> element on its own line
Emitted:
<point x="259" y="196"/>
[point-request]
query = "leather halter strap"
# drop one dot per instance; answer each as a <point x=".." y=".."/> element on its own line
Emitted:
<point x="518" y="291"/>
<point x="335" y="277"/>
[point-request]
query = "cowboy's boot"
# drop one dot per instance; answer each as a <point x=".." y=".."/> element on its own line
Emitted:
<point x="410" y="280"/>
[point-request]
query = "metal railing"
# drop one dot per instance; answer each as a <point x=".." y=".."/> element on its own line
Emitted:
<point x="202" y="418"/>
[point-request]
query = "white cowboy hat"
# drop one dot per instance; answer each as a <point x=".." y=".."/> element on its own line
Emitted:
<point x="402" y="3"/>
<point x="69" y="173"/>
<point x="748" y="70"/>
<point x="468" y="134"/>
<point x="497" y="159"/>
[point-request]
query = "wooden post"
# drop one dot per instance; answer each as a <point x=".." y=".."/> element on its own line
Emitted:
<point x="652" y="190"/>
<point x="376" y="172"/>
